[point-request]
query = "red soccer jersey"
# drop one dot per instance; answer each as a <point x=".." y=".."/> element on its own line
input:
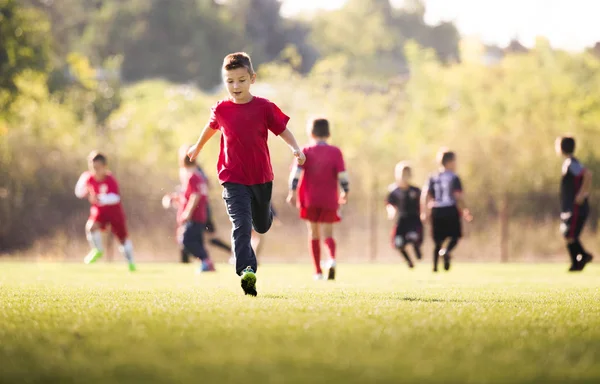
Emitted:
<point x="244" y="157"/>
<point x="194" y="183"/>
<point x="100" y="188"/>
<point x="318" y="186"/>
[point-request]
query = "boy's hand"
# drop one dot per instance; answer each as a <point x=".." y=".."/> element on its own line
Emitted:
<point x="424" y="217"/>
<point x="300" y="156"/>
<point x="343" y="198"/>
<point x="291" y="199"/>
<point x="93" y="199"/>
<point x="467" y="215"/>
<point x="580" y="199"/>
<point x="193" y="152"/>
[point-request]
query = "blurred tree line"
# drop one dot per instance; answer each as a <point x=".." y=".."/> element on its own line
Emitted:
<point x="136" y="79"/>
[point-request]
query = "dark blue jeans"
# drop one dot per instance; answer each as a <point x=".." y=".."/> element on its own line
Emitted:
<point x="193" y="239"/>
<point x="248" y="206"/>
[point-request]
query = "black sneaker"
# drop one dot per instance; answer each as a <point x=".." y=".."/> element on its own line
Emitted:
<point x="574" y="268"/>
<point x="410" y="264"/>
<point x="331" y="273"/>
<point x="586" y="258"/>
<point x="447" y="262"/>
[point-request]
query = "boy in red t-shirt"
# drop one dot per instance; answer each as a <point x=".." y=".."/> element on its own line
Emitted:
<point x="192" y="213"/>
<point x="102" y="191"/>
<point x="318" y="194"/>
<point x="244" y="165"/>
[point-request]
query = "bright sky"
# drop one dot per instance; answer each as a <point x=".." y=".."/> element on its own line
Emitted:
<point x="568" y="24"/>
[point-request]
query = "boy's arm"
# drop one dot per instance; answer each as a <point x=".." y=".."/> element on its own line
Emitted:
<point x="293" y="184"/>
<point x="345" y="185"/>
<point x="289" y="138"/>
<point x="206" y="134"/>
<point x="391" y="211"/>
<point x="459" y="196"/>
<point x="586" y="187"/>
<point x="81" y="187"/>
<point x="425" y="200"/>
<point x="190" y="207"/>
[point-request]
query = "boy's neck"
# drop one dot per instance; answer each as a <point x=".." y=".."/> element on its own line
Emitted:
<point x="320" y="140"/>
<point x="403" y="185"/>
<point x="244" y="101"/>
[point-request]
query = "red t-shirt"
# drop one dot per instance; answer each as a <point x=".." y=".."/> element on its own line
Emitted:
<point x="193" y="183"/>
<point x="102" y="187"/>
<point x="318" y="186"/>
<point x="244" y="157"/>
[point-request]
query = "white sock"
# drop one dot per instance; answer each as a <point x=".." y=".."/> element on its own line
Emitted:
<point x="127" y="250"/>
<point x="94" y="238"/>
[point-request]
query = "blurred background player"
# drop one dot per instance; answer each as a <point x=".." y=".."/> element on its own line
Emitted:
<point x="403" y="202"/>
<point x="192" y="213"/>
<point x="443" y="201"/>
<point x="318" y="200"/>
<point x="575" y="189"/>
<point x="244" y="164"/>
<point x="102" y="191"/>
<point x="170" y="200"/>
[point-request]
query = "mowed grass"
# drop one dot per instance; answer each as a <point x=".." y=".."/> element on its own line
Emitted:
<point x="67" y="323"/>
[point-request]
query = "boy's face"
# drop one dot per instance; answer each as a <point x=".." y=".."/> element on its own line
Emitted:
<point x="238" y="83"/>
<point x="451" y="165"/>
<point x="97" y="168"/>
<point x="403" y="175"/>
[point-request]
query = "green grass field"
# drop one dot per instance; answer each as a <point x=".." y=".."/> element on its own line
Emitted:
<point x="67" y="323"/>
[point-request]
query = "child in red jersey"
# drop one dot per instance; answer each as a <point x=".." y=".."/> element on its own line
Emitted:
<point x="318" y="194"/>
<point x="102" y="191"/>
<point x="244" y="165"/>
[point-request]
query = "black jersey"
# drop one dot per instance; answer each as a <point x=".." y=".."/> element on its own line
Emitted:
<point x="572" y="179"/>
<point x="441" y="187"/>
<point x="406" y="201"/>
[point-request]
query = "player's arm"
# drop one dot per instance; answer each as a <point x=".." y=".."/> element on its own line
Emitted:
<point x="290" y="140"/>
<point x="345" y="185"/>
<point x="113" y="197"/>
<point x="293" y="184"/>
<point x="391" y="211"/>
<point x="461" y="205"/>
<point x="586" y="187"/>
<point x="81" y="189"/>
<point x="207" y="133"/>
<point x="426" y="199"/>
<point x="192" y="204"/>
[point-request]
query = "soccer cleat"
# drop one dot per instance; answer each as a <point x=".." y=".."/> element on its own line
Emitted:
<point x="447" y="258"/>
<point x="318" y="277"/>
<point x="208" y="266"/>
<point x="331" y="273"/>
<point x="586" y="258"/>
<point x="249" y="282"/>
<point x="132" y="267"/>
<point x="411" y="265"/>
<point x="93" y="256"/>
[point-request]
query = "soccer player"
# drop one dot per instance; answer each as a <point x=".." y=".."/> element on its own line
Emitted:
<point x="170" y="200"/>
<point x="192" y="213"/>
<point x="244" y="164"/>
<point x="443" y="200"/>
<point x="403" y="202"/>
<point x="257" y="240"/>
<point x="102" y="191"/>
<point x="318" y="198"/>
<point x="575" y="189"/>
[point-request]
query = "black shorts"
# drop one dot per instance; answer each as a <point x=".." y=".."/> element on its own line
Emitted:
<point x="445" y="223"/>
<point x="407" y="230"/>
<point x="572" y="226"/>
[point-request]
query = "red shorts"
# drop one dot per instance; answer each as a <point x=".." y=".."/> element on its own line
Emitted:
<point x="319" y="215"/>
<point x="112" y="215"/>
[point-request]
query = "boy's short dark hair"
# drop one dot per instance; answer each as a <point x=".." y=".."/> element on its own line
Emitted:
<point x="238" y="60"/>
<point x="446" y="156"/>
<point x="320" y="128"/>
<point x="567" y="145"/>
<point x="96" y="156"/>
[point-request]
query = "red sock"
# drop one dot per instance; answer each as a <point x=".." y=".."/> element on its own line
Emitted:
<point x="330" y="243"/>
<point x="315" y="252"/>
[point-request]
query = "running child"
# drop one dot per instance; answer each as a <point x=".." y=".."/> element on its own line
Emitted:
<point x="443" y="200"/>
<point x="403" y="203"/>
<point x="102" y="190"/>
<point x="318" y="198"/>
<point x="192" y="213"/>
<point x="575" y="189"/>
<point x="244" y="164"/>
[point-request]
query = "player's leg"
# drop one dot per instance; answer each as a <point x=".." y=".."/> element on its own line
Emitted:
<point x="193" y="241"/>
<point x="400" y="240"/>
<point x="582" y="256"/>
<point x="93" y="234"/>
<point x="327" y="228"/>
<point x="262" y="215"/>
<point x="119" y="229"/>
<point x="238" y="201"/>
<point x="314" y="238"/>
<point x="439" y="236"/>
<point x="417" y="240"/>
